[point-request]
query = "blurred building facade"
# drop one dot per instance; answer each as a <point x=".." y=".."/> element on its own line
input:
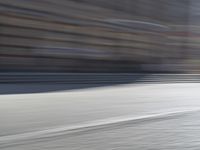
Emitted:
<point x="99" y="35"/>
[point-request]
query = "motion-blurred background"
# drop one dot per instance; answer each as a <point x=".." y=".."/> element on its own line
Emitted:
<point x="99" y="74"/>
<point x="100" y="36"/>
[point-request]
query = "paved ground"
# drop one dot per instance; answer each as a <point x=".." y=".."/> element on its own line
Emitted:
<point x="129" y="116"/>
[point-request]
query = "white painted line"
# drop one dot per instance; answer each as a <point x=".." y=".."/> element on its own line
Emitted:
<point x="94" y="125"/>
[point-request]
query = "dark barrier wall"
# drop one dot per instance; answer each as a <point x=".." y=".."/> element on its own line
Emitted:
<point x="92" y="35"/>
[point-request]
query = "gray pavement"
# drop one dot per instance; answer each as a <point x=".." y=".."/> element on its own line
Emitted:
<point x="128" y="116"/>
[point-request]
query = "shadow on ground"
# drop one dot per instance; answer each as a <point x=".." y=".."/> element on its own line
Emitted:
<point x="53" y="86"/>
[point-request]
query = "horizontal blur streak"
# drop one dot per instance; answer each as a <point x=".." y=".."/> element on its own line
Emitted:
<point x="99" y="35"/>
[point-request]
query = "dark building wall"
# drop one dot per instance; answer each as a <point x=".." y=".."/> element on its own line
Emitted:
<point x="88" y="35"/>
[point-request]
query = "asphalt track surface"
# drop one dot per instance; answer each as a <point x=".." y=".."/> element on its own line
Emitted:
<point x="121" y="116"/>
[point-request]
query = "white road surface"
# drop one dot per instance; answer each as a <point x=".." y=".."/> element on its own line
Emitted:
<point x="113" y="117"/>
